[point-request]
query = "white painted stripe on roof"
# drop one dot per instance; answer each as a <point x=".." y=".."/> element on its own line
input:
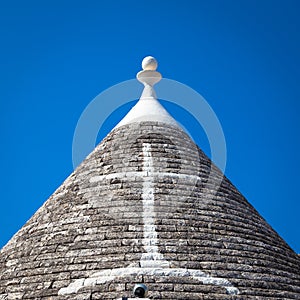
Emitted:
<point x="152" y="258"/>
<point x="110" y="274"/>
<point x="125" y="175"/>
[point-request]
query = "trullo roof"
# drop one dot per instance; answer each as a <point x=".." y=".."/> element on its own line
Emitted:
<point x="148" y="206"/>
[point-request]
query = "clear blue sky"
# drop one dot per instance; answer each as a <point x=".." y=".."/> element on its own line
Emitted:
<point x="242" y="56"/>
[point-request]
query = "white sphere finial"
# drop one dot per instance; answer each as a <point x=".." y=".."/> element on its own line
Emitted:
<point x="149" y="63"/>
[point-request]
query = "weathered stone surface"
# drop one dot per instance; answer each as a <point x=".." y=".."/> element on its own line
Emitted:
<point x="94" y="222"/>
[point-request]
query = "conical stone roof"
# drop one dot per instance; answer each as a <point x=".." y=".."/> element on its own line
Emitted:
<point x="148" y="206"/>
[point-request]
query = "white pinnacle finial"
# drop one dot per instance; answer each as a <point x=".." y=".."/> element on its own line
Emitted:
<point x="148" y="107"/>
<point x="149" y="76"/>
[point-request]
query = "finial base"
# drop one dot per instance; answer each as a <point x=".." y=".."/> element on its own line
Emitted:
<point x="148" y="77"/>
